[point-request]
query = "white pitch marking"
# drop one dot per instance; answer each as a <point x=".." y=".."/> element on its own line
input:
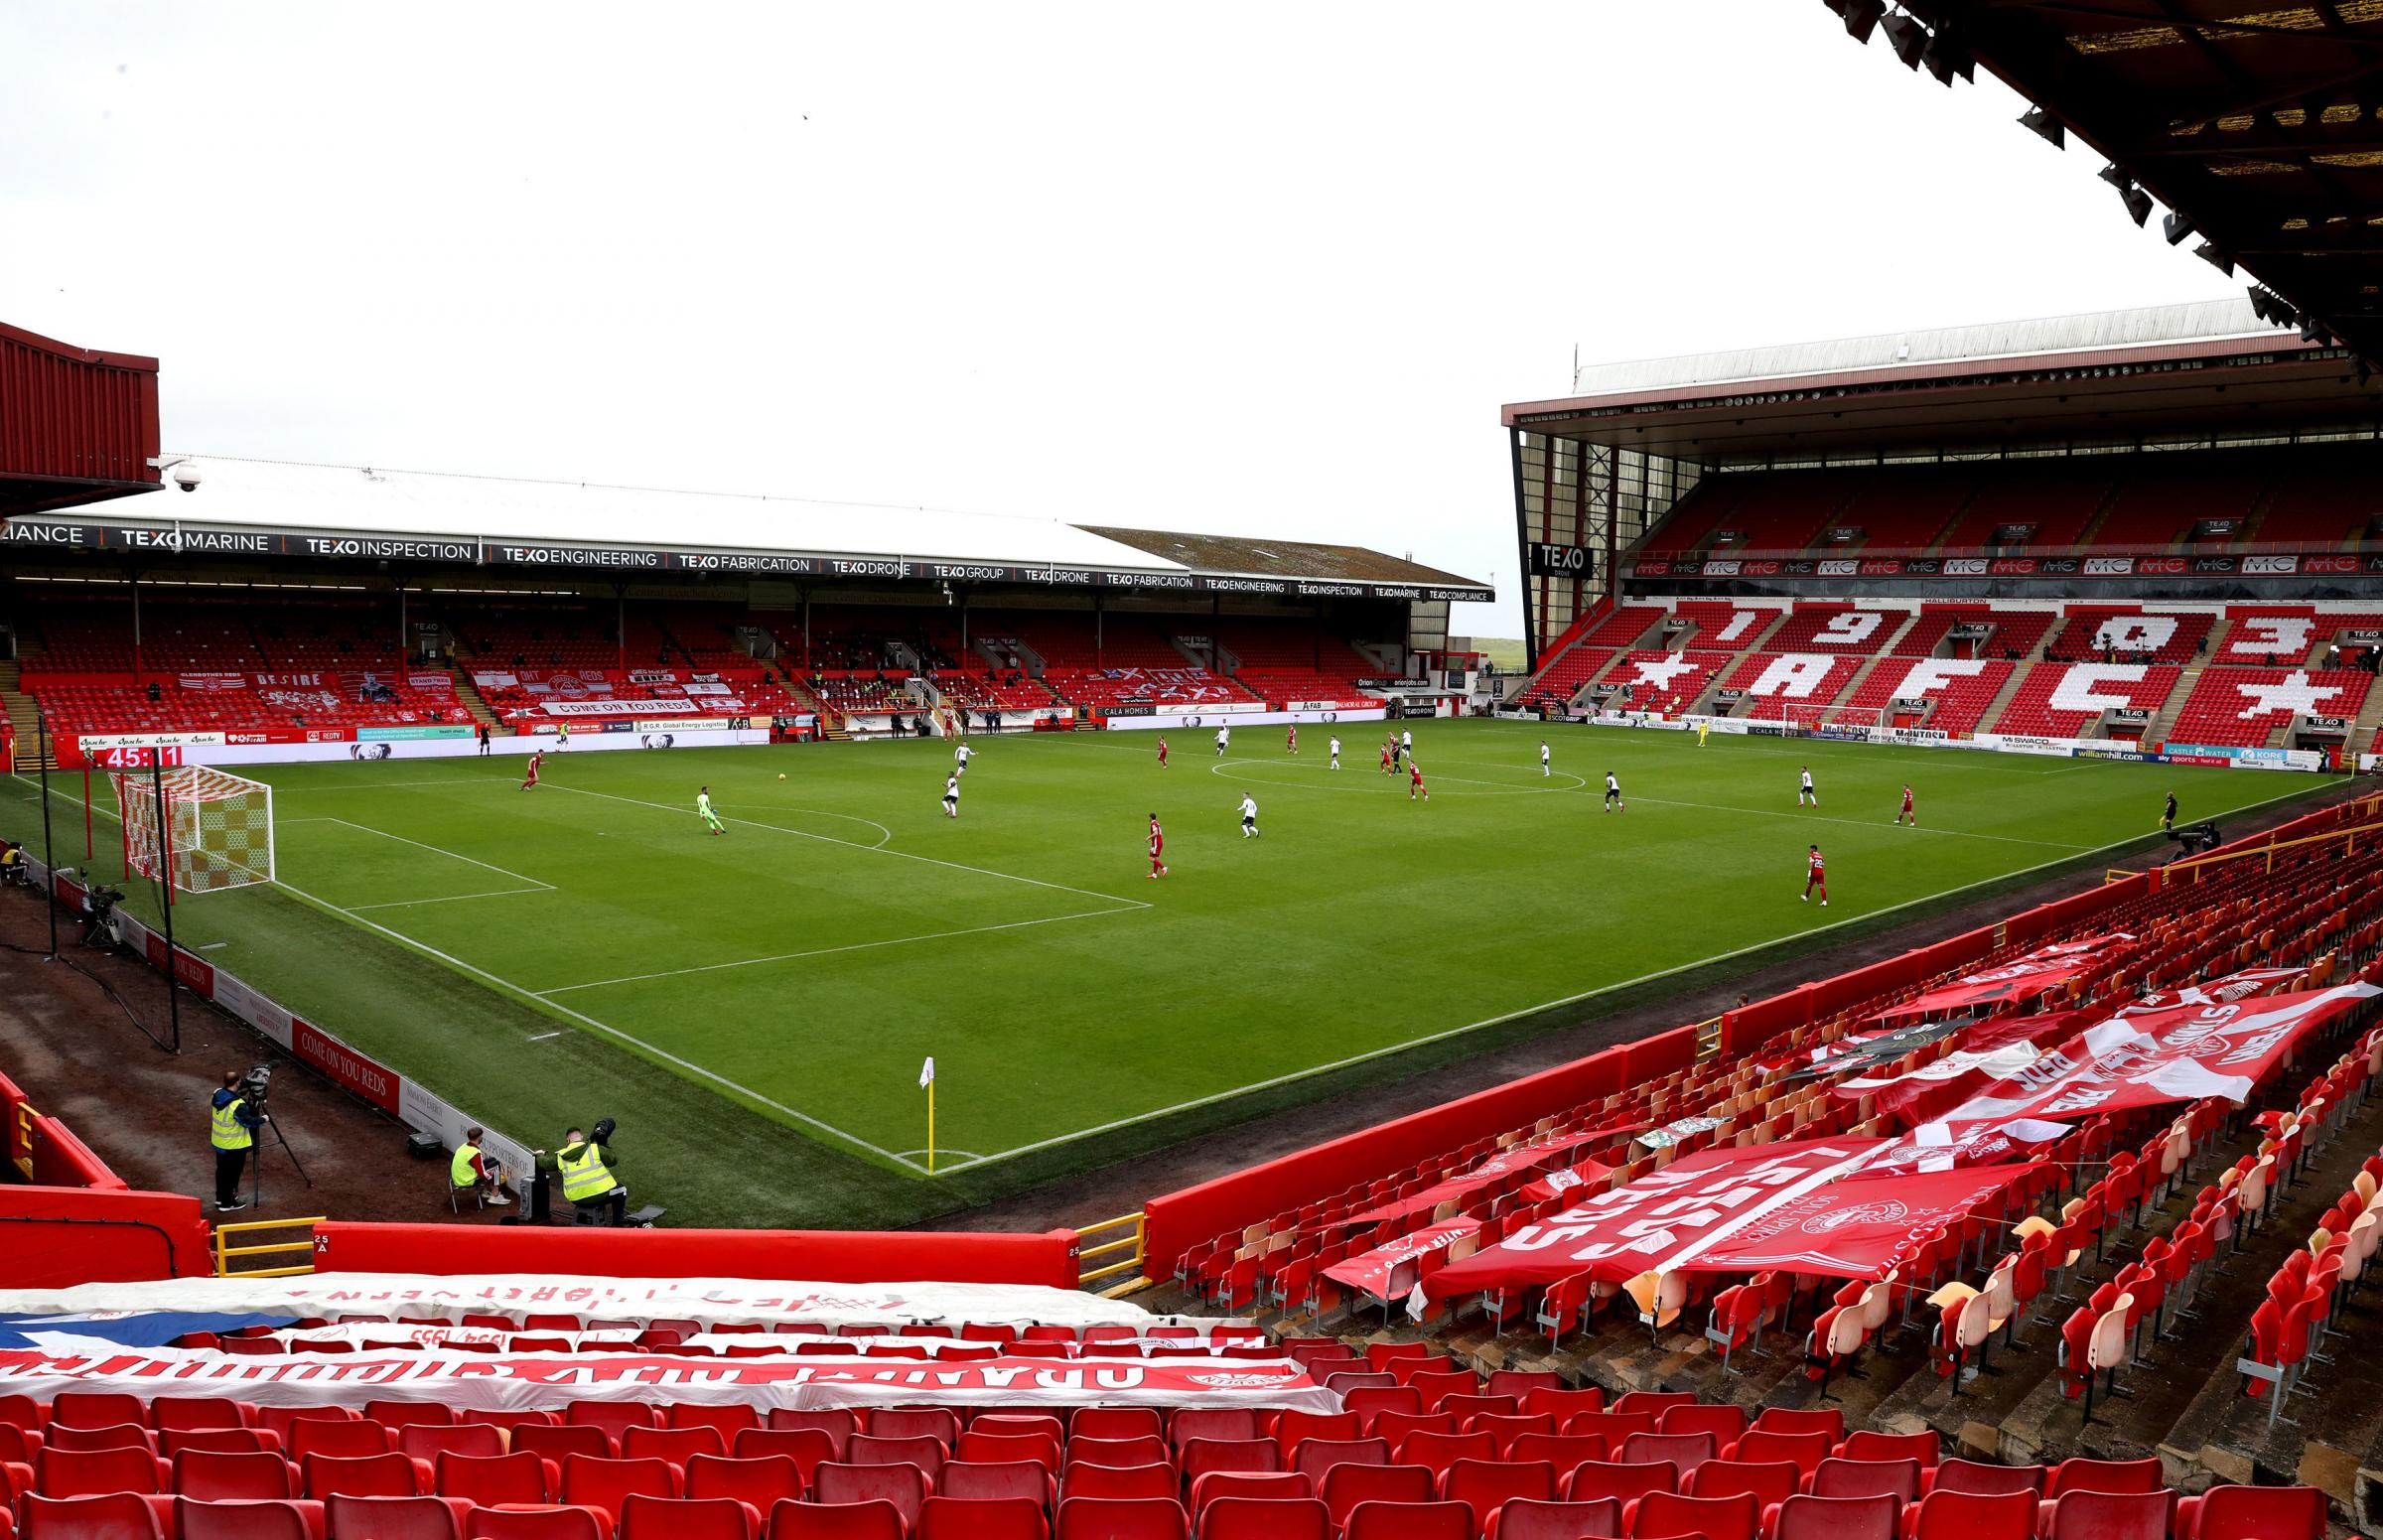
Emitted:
<point x="1532" y="1010"/>
<point x="520" y="877"/>
<point x="1498" y="788"/>
<point x="823" y="951"/>
<point x="696" y="1071"/>
<point x="1862" y="823"/>
<point x="453" y="898"/>
<point x="825" y="839"/>
<point x="543" y="1035"/>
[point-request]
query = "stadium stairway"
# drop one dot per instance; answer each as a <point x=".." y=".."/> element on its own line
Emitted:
<point x="1992" y="717"/>
<point x="468" y="696"/>
<point x="22" y="714"/>
<point x="2156" y="730"/>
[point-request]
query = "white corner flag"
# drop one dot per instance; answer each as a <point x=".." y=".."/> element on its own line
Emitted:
<point x="926" y="1084"/>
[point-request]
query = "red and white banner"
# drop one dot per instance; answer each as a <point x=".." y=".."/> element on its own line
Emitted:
<point x="669" y="705"/>
<point x="1499" y="1166"/>
<point x="2245" y="985"/>
<point x="1558" y="1183"/>
<point x="2021" y="979"/>
<point x="1810" y="1205"/>
<point x="1984" y="1053"/>
<point x="706" y="1301"/>
<point x="1371" y="1273"/>
<point x="492" y="1383"/>
<point x="2181" y="1054"/>
<point x="1943" y="1147"/>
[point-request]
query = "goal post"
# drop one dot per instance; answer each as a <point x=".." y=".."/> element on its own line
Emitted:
<point x="215" y="830"/>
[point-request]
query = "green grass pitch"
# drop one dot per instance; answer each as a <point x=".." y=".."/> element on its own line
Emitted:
<point x="754" y="1007"/>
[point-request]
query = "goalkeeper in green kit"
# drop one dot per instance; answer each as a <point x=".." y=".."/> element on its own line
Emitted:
<point x="703" y="806"/>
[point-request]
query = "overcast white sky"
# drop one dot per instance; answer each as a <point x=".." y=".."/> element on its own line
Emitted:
<point x="1243" y="268"/>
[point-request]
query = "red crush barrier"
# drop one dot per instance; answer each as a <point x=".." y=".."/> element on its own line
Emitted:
<point x="60" y="1160"/>
<point x="57" y="1237"/>
<point x="820" y="1256"/>
<point x="1186" y="1218"/>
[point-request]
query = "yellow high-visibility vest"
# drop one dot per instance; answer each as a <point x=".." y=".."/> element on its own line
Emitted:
<point x="228" y="1131"/>
<point x="585" y="1173"/>
<point x="461" y="1173"/>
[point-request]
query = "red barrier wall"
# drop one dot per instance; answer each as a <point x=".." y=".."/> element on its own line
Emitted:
<point x="1194" y="1214"/>
<point x="824" y="1256"/>
<point x="57" y="1237"/>
<point x="60" y="1160"/>
<point x="16" y="1132"/>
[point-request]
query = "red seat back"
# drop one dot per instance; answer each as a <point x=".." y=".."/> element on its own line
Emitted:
<point x="1526" y="1519"/>
<point x="1805" y="1517"/>
<point x="1122" y="1518"/>
<point x="1409" y="1521"/>
<point x="492" y="1480"/>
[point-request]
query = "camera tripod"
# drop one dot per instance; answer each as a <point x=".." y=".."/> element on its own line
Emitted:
<point x="256" y="1157"/>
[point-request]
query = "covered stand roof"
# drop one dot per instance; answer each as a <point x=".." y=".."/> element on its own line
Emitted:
<point x="256" y="508"/>
<point x="2260" y="123"/>
<point x="2164" y="372"/>
<point x="75" y="425"/>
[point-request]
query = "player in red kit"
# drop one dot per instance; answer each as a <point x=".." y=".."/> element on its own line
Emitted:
<point x="1908" y="815"/>
<point x="1385" y="757"/>
<point x="1816" y="875"/>
<point x="1415" y="786"/>
<point x="534" y="761"/>
<point x="1158" y="845"/>
<point x="1161" y="754"/>
<point x="1291" y="739"/>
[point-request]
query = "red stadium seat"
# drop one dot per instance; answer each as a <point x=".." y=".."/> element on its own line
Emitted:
<point x="95" y="1472"/>
<point x="1524" y="1519"/>
<point x="1485" y="1485"/>
<point x="488" y="1481"/>
<point x="1002" y="1479"/>
<point x="613" y="1417"/>
<point x="1770" y="1481"/>
<point x="339" y="1440"/>
<point x="604" y="1485"/>
<point x="844" y="1521"/>
<point x="1409" y="1521"/>
<point x="2106" y="1476"/>
<point x="928" y="1454"/>
<point x="1292" y="1427"/>
<point x="1863" y="1443"/>
<point x="913" y="1422"/>
<point x="391" y="1518"/>
<point x="1805" y="1450"/>
<point x="1594" y="1479"/>
<point x="245" y="1520"/>
<point x="533" y="1524"/>
<point x="904" y="1486"/>
<point x="1157" y="1479"/>
<point x="111" y="1516"/>
<point x="1901" y="1480"/>
<point x="115" y="1435"/>
<point x="195" y="1412"/>
<point x="980" y="1518"/>
<point x="1266" y="1518"/>
<point x="1346" y="1486"/>
<point x="1715" y="1518"/>
<point x="839" y="1424"/>
<point x="1119" y="1422"/>
<point x="686" y="1518"/>
<point x="96" y="1409"/>
<point x="1121" y="1518"/>
<point x="1964" y="1515"/>
<point x="1805" y="1517"/>
<point x="393" y="1415"/>
<point x="1117" y="1451"/>
<point x="373" y="1476"/>
<point x="2082" y="1513"/>
<point x="760" y="1482"/>
<point x="1983" y="1479"/>
<point x="1437" y="1451"/>
<point x="675" y="1445"/>
<point x="1041" y="1448"/>
<point x="219" y="1477"/>
<point x="1201" y="1455"/>
<point x="1684" y="1451"/>
<point x="2253" y="1513"/>
<point x="1315" y="1457"/>
<point x="731" y="1418"/>
<point x="1780" y="1419"/>
<point x="1228" y="1423"/>
<point x="428" y="1441"/>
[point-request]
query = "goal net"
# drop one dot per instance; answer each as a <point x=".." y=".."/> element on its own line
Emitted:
<point x="216" y="830"/>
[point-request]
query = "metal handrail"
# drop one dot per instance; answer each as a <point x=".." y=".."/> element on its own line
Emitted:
<point x="1131" y="1242"/>
<point x="225" y="1252"/>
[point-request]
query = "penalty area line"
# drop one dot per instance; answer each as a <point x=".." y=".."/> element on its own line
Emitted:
<point x="1550" y="1005"/>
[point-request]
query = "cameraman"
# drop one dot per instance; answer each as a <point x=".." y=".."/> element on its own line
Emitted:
<point x="590" y="1172"/>
<point x="232" y="1131"/>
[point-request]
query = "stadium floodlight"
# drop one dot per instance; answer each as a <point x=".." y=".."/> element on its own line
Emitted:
<point x="2044" y="126"/>
<point x="1910" y="38"/>
<point x="1861" y="17"/>
<point x="2176" y="227"/>
<point x="2138" y="202"/>
<point x="2216" y="259"/>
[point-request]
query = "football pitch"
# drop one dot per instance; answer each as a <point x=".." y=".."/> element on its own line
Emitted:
<point x="755" y="1006"/>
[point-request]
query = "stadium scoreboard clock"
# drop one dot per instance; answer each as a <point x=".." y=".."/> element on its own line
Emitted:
<point x="1560" y="561"/>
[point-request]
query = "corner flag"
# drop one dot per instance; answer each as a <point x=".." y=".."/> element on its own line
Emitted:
<point x="926" y="1084"/>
